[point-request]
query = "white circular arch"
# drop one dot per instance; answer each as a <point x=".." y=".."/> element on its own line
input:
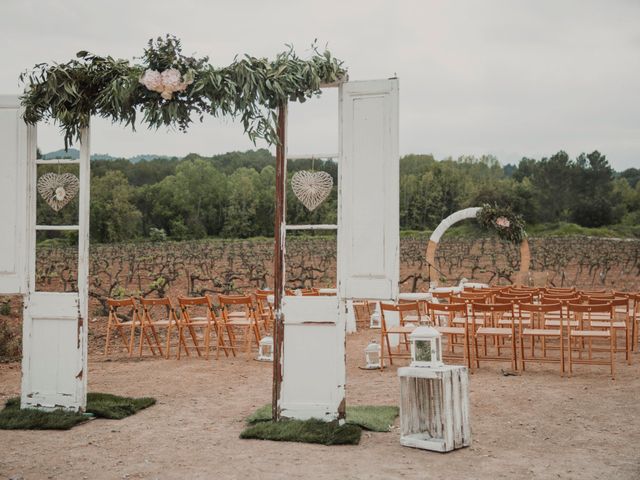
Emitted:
<point x="434" y="239"/>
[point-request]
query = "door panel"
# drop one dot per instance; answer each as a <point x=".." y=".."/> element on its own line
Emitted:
<point x="13" y="188"/>
<point x="368" y="245"/>
<point x="54" y="353"/>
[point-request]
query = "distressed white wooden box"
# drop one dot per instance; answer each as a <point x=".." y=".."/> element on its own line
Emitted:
<point x="434" y="407"/>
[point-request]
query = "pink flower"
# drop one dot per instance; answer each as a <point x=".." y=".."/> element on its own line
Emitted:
<point x="152" y="79"/>
<point x="166" y="83"/>
<point x="171" y="79"/>
<point x="503" y="222"/>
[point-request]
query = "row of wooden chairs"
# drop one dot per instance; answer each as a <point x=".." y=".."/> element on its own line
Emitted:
<point x="576" y="328"/>
<point x="237" y="319"/>
<point x="626" y="304"/>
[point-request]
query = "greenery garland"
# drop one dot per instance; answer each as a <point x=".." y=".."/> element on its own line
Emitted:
<point x="502" y="220"/>
<point x="250" y="88"/>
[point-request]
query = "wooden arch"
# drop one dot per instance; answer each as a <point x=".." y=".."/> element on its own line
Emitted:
<point x="525" y="253"/>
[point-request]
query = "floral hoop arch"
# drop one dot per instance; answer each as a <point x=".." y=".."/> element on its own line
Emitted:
<point x="434" y="239"/>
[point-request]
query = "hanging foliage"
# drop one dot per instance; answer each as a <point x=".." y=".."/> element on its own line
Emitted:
<point x="170" y="89"/>
<point x="502" y="220"/>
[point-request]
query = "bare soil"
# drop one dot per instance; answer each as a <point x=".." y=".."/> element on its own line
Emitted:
<point x="537" y="425"/>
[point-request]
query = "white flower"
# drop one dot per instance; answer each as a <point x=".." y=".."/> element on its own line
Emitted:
<point x="503" y="222"/>
<point x="60" y="193"/>
<point x="152" y="79"/>
<point x="171" y="80"/>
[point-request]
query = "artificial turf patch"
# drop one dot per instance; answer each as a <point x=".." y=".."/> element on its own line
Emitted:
<point x="101" y="405"/>
<point x="12" y="418"/>
<point x="105" y="405"/>
<point x="374" y="418"/>
<point x="306" y="431"/>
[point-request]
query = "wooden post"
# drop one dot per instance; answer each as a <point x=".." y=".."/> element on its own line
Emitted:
<point x="278" y="258"/>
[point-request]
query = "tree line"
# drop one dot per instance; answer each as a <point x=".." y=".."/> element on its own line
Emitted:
<point x="232" y="195"/>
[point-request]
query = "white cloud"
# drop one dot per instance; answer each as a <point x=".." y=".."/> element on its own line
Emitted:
<point x="512" y="78"/>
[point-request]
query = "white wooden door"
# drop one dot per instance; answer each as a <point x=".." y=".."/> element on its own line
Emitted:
<point x="368" y="201"/>
<point x="13" y="198"/>
<point x="313" y="380"/>
<point x="54" y="356"/>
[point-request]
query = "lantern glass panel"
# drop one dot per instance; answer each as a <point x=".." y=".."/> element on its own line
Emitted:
<point x="423" y="350"/>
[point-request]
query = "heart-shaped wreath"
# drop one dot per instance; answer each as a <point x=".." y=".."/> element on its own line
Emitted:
<point x="58" y="189"/>
<point x="311" y="188"/>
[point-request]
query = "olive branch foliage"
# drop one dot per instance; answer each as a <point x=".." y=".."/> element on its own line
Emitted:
<point x="250" y="89"/>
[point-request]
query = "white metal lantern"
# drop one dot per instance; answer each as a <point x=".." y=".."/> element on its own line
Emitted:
<point x="374" y="319"/>
<point x="372" y="356"/>
<point x="265" y="349"/>
<point x="426" y="347"/>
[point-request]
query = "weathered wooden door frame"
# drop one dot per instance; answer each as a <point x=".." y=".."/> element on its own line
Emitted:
<point x="369" y="111"/>
<point x="55" y="324"/>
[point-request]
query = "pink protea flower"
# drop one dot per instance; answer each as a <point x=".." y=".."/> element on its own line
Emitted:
<point x="152" y="79"/>
<point x="503" y="222"/>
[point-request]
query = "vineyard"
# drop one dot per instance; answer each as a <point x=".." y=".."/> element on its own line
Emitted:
<point x="228" y="266"/>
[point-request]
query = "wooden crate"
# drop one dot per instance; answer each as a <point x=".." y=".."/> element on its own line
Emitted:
<point x="434" y="407"/>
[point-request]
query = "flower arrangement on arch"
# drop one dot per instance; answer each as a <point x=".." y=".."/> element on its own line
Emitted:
<point x="167" y="88"/>
<point x="167" y="82"/>
<point x="503" y="221"/>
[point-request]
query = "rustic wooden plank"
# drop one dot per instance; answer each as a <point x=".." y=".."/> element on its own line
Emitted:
<point x="447" y="401"/>
<point x="438" y="427"/>
<point x="457" y="411"/>
<point x="278" y="259"/>
<point x="464" y="407"/>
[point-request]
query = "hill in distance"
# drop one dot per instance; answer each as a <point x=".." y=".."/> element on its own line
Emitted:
<point x="74" y="154"/>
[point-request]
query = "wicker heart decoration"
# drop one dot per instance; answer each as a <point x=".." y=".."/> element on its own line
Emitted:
<point x="58" y="189"/>
<point x="311" y="188"/>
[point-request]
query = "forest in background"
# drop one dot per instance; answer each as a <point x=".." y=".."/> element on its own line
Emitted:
<point x="232" y="195"/>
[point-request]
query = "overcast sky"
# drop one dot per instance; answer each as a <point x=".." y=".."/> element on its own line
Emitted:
<point x="508" y="78"/>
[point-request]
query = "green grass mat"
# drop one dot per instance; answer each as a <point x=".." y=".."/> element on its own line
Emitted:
<point x="307" y="431"/>
<point x="374" y="418"/>
<point x="105" y="405"/>
<point x="101" y="405"/>
<point x="12" y="418"/>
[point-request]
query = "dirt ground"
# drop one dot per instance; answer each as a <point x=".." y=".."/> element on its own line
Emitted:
<point x="537" y="425"/>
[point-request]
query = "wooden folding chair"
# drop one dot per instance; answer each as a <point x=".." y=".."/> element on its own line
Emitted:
<point x="535" y="292"/>
<point x="403" y="329"/>
<point x="471" y="297"/>
<point x="310" y="292"/>
<point x="490" y="313"/>
<point x="359" y="306"/>
<point x="198" y="313"/>
<point x="442" y="296"/>
<point x="119" y="322"/>
<point x="560" y="296"/>
<point x="443" y="316"/>
<point x="586" y="333"/>
<point x="591" y="293"/>
<point x="243" y="319"/>
<point x="264" y="309"/>
<point x="635" y="319"/>
<point x="158" y="314"/>
<point x="508" y="296"/>
<point x="621" y="321"/>
<point x="537" y="329"/>
<point x="560" y="290"/>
